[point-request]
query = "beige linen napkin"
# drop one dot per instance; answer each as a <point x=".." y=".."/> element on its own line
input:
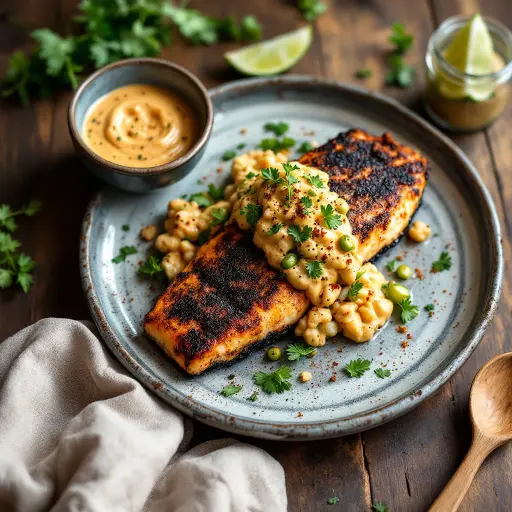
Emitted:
<point x="77" y="433"/>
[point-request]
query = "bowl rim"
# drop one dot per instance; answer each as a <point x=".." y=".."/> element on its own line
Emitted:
<point x="124" y="169"/>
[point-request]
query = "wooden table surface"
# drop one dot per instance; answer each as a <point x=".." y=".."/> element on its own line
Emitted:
<point x="405" y="463"/>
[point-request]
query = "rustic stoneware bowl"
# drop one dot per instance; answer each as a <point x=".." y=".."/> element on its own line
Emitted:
<point x="140" y="71"/>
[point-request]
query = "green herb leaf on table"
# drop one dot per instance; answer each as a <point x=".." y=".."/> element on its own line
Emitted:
<point x="252" y="212"/>
<point x="241" y="146"/>
<point x="275" y="229"/>
<point x="443" y="263"/>
<point x="311" y="9"/>
<point x="217" y="193"/>
<point x="391" y="265"/>
<point x="7" y="243"/>
<point x="357" y="367"/>
<point x="274" y="382"/>
<point x="277" y="128"/>
<point x="277" y="145"/>
<point x="382" y="373"/>
<point x="408" y="311"/>
<point x="333" y="500"/>
<point x="295" y="351"/>
<point x="399" y="73"/>
<point x="314" y="269"/>
<point x="315" y="180"/>
<point x="228" y="155"/>
<point x="300" y="235"/>
<point x="6" y="278"/>
<point x="230" y="389"/>
<point x="125" y="227"/>
<point x="201" y="199"/>
<point x="379" y="506"/>
<point x="430" y="307"/>
<point x="331" y="218"/>
<point x="151" y="268"/>
<point x="305" y="147"/>
<point x="125" y="251"/>
<point x="363" y="73"/>
<point x="400" y="38"/>
<point x="31" y="208"/>
<point x="220" y="216"/>
<point x="253" y="397"/>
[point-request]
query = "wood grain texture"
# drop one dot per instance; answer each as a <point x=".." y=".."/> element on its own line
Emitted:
<point x="405" y="463"/>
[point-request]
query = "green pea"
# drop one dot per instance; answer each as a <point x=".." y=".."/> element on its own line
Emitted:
<point x="346" y="243"/>
<point x="274" y="353"/>
<point x="289" y="261"/>
<point x="343" y="206"/>
<point x="396" y="292"/>
<point x="404" y="272"/>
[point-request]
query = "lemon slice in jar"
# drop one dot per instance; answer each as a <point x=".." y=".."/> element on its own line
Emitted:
<point x="472" y="52"/>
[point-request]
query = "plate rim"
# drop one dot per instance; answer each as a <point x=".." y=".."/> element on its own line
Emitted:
<point x="322" y="429"/>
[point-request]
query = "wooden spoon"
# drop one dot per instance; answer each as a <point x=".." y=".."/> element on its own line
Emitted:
<point x="490" y="407"/>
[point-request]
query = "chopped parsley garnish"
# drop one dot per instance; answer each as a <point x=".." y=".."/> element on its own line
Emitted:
<point x="357" y="367"/>
<point x="305" y="147"/>
<point x="228" y="155"/>
<point x="299" y="235"/>
<point x="315" y="180"/>
<point x="400" y="38"/>
<point x="290" y="178"/>
<point x="430" y="307"/>
<point x="125" y="227"/>
<point x="391" y="265"/>
<point x="241" y="146"/>
<point x="295" y="351"/>
<point x="201" y="199"/>
<point x="252" y="212"/>
<point x="250" y="175"/>
<point x="253" y="397"/>
<point x="220" y="215"/>
<point x="363" y="73"/>
<point x="382" y="373"/>
<point x="277" y="145"/>
<point x="277" y="128"/>
<point x="123" y="252"/>
<point x="151" y="268"/>
<point x="314" y="269"/>
<point x="333" y="500"/>
<point x="356" y="286"/>
<point x="311" y="9"/>
<point x="217" y="193"/>
<point x="443" y="263"/>
<point x="331" y="218"/>
<point x="274" y="382"/>
<point x="275" y="229"/>
<point x="307" y="202"/>
<point x="379" y="506"/>
<point x="230" y="389"/>
<point x="271" y="176"/>
<point x="408" y="310"/>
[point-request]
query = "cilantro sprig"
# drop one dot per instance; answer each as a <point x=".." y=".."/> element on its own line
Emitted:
<point x="311" y="9"/>
<point x="382" y="373"/>
<point x="399" y="73"/>
<point x="295" y="351"/>
<point x="15" y="268"/>
<point x="408" y="311"/>
<point x="357" y="367"/>
<point x="299" y="235"/>
<point x="274" y="382"/>
<point x="278" y="129"/>
<point x="252" y="213"/>
<point x="331" y="218"/>
<point x="315" y="180"/>
<point x="220" y="216"/>
<point x="277" y="145"/>
<point x="314" y="269"/>
<point x="151" y="268"/>
<point x="443" y="263"/>
<point x="275" y="229"/>
<point x="231" y="389"/>
<point x="271" y="176"/>
<point x="356" y="286"/>
<point x="125" y="251"/>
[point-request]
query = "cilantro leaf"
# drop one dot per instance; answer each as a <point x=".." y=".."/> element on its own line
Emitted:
<point x="400" y="38"/>
<point x="354" y="290"/>
<point x="379" y="506"/>
<point x="201" y="199"/>
<point x="299" y="235"/>
<point x="307" y="202"/>
<point x="357" y="367"/>
<point x="443" y="263"/>
<point x="277" y="128"/>
<point x="25" y="280"/>
<point x="230" y="389"/>
<point x="25" y="263"/>
<point x="275" y="229"/>
<point x="195" y="27"/>
<point x="290" y="178"/>
<point x="7" y="244"/>
<point x="333" y="500"/>
<point x="305" y="147"/>
<point x="151" y="268"/>
<point x="314" y="269"/>
<point x="6" y="278"/>
<point x="295" y="351"/>
<point x="5" y="212"/>
<point x="125" y="227"/>
<point x="228" y="155"/>
<point x="382" y="373"/>
<point x="277" y="145"/>
<point x="331" y="218"/>
<point x="250" y="175"/>
<point x="315" y="180"/>
<point x="252" y="212"/>
<point x="250" y="29"/>
<point x="391" y="265"/>
<point x="253" y="397"/>
<point x="217" y="193"/>
<point x="429" y="307"/>
<point x="220" y="216"/>
<point x="123" y="252"/>
<point x="271" y="176"/>
<point x="408" y="310"/>
<point x="274" y="382"/>
<point x="311" y="9"/>
<point x="399" y="73"/>
<point x="363" y="73"/>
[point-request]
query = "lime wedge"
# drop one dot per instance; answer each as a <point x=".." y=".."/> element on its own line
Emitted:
<point x="472" y="52"/>
<point x="273" y="56"/>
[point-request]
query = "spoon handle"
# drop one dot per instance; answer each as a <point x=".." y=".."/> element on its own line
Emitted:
<point x="454" y="492"/>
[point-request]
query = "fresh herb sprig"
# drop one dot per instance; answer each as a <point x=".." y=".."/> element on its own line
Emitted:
<point x="230" y="389"/>
<point x="357" y="367"/>
<point x="399" y="73"/>
<point x="356" y="286"/>
<point x="252" y="213"/>
<point x="408" y="311"/>
<point x="299" y="236"/>
<point x="295" y="351"/>
<point x="311" y="9"/>
<point x="314" y="269"/>
<point x="15" y="268"/>
<point x="151" y="268"/>
<point x="125" y="251"/>
<point x="274" y="382"/>
<point x="382" y="373"/>
<point x="443" y="263"/>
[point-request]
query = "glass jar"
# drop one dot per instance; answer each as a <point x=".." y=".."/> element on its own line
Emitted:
<point x="463" y="102"/>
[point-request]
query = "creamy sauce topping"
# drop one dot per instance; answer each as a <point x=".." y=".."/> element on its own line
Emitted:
<point x="140" y="126"/>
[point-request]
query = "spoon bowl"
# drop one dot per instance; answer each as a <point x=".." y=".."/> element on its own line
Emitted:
<point x="491" y="398"/>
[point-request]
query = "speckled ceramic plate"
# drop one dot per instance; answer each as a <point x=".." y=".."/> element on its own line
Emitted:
<point x="456" y="205"/>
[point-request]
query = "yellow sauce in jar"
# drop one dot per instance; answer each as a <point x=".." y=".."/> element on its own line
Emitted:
<point x="140" y="126"/>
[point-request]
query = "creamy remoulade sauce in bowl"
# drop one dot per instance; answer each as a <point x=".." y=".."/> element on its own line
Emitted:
<point x="140" y="125"/>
